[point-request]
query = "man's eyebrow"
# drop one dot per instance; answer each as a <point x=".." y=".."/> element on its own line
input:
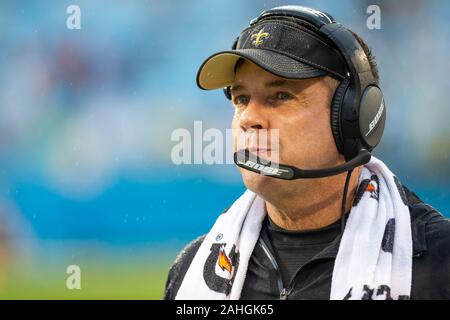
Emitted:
<point x="237" y="87"/>
<point x="278" y="83"/>
<point x="271" y="84"/>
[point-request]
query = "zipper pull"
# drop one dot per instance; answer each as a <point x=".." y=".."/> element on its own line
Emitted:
<point x="284" y="294"/>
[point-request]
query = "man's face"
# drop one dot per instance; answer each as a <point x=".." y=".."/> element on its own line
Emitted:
<point x="299" y="109"/>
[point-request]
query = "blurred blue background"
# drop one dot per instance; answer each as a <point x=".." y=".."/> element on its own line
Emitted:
<point x="86" y="118"/>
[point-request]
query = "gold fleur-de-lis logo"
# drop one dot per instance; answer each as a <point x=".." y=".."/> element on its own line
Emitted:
<point x="258" y="37"/>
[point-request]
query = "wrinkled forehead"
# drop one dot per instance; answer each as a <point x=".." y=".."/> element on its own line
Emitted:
<point x="249" y="74"/>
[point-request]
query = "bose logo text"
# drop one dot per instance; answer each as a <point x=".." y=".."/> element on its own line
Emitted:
<point x="263" y="168"/>
<point x="376" y="119"/>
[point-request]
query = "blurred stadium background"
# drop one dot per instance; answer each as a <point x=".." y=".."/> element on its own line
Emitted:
<point x="86" y="117"/>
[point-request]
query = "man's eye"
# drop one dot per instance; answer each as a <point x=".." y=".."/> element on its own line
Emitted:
<point x="241" y="100"/>
<point x="283" y="96"/>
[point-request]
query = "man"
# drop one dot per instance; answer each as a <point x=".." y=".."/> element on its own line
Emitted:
<point x="339" y="228"/>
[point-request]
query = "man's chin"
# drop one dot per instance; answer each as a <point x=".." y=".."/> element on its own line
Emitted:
<point x="271" y="189"/>
<point x="259" y="183"/>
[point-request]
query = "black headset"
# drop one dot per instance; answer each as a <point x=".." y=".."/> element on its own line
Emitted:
<point x="358" y="113"/>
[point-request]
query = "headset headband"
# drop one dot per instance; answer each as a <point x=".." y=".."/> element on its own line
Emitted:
<point x="360" y="71"/>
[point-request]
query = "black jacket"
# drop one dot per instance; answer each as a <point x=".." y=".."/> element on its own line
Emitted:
<point x="430" y="273"/>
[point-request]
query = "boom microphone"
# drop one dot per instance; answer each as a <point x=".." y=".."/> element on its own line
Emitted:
<point x="247" y="160"/>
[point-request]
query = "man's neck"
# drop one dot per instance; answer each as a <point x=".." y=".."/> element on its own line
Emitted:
<point x="318" y="211"/>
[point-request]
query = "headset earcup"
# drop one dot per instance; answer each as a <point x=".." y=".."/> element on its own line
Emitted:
<point x="372" y="116"/>
<point x="336" y="108"/>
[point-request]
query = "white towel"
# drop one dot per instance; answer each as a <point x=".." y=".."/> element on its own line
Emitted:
<point x="374" y="260"/>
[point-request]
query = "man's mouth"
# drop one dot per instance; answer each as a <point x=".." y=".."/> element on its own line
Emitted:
<point x="260" y="151"/>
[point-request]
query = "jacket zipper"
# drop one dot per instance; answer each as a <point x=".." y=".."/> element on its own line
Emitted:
<point x="284" y="291"/>
<point x="284" y="294"/>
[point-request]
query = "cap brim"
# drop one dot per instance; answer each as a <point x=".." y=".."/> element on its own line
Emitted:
<point x="218" y="70"/>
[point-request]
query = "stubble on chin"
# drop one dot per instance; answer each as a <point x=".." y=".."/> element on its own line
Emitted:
<point x="268" y="188"/>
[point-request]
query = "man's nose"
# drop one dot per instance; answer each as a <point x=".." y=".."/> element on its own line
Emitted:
<point x="254" y="116"/>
